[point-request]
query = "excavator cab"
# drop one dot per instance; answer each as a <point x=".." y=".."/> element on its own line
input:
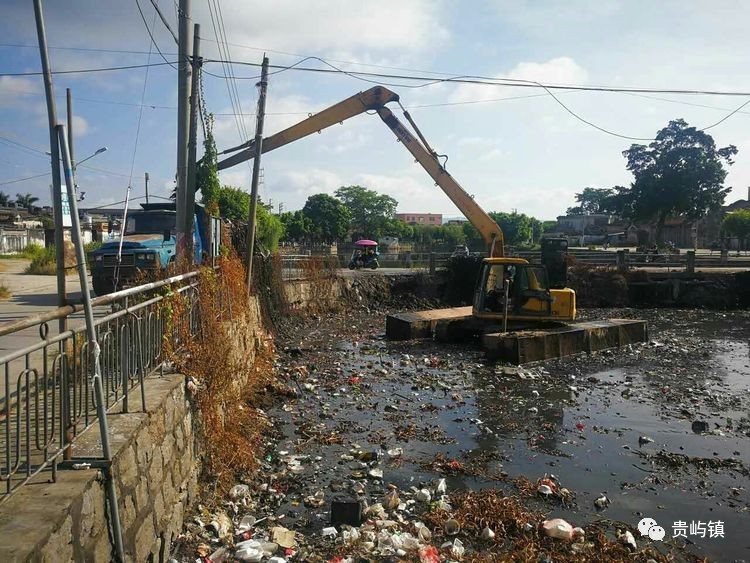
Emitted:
<point x="514" y="288"/>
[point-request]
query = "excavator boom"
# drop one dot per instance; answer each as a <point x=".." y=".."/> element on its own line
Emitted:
<point x="375" y="99"/>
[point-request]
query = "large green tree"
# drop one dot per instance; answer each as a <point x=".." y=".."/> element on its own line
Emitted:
<point x="592" y="200"/>
<point x="737" y="224"/>
<point x="234" y="204"/>
<point x="4" y="198"/>
<point x="370" y="210"/>
<point x="26" y="200"/>
<point x="329" y="217"/>
<point x="297" y="226"/>
<point x="517" y="227"/>
<point x="681" y="174"/>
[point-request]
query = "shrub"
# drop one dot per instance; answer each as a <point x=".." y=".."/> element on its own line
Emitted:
<point x="4" y="292"/>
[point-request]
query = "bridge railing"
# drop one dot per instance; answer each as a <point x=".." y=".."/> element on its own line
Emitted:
<point x="46" y="399"/>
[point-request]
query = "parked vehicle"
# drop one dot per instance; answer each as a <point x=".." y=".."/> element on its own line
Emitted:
<point x="365" y="255"/>
<point x="149" y="246"/>
<point x="460" y="250"/>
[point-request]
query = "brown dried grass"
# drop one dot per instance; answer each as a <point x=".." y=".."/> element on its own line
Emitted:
<point x="232" y="428"/>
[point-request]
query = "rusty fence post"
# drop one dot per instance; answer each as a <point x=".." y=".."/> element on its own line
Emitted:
<point x="432" y="263"/>
<point x="690" y="265"/>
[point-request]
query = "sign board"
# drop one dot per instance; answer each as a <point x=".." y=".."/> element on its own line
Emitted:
<point x="66" y="220"/>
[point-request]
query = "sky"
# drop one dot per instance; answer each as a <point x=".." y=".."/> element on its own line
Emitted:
<point x="512" y="148"/>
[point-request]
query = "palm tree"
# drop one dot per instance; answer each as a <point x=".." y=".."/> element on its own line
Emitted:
<point x="4" y="199"/>
<point x="26" y="200"/>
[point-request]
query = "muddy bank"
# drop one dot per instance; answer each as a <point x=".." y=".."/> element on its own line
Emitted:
<point x="659" y="430"/>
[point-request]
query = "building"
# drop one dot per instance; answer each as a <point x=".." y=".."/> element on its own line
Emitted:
<point x="434" y="219"/>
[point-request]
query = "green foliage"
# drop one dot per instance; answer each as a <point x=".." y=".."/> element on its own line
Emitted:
<point x="43" y="263"/>
<point x="680" y="173"/>
<point x="592" y="200"/>
<point x="206" y="175"/>
<point x="47" y="222"/>
<point x="370" y="211"/>
<point x="26" y="200"/>
<point x="268" y="229"/>
<point x="91" y="246"/>
<point x="328" y="217"/>
<point x="737" y="224"/>
<point x="297" y="226"/>
<point x="4" y="198"/>
<point x="32" y="251"/>
<point x="233" y="203"/>
<point x="517" y="227"/>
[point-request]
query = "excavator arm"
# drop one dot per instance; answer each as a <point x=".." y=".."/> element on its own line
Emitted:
<point x="375" y="99"/>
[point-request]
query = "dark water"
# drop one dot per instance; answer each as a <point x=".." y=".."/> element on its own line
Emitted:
<point x="445" y="400"/>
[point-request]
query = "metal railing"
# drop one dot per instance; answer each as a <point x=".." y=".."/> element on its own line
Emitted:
<point x="298" y="267"/>
<point x="46" y="400"/>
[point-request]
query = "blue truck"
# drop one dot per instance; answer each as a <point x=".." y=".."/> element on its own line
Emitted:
<point x="149" y="246"/>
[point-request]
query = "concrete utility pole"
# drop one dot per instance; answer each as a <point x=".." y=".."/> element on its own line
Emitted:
<point x="69" y="100"/>
<point x="184" y="72"/>
<point x="55" y="160"/>
<point x="192" y="145"/>
<point x="256" y="171"/>
<point x="145" y="178"/>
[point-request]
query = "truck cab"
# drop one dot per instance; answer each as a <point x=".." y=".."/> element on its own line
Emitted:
<point x="149" y="246"/>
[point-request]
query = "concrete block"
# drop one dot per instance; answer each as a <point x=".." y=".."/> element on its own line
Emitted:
<point x="422" y="324"/>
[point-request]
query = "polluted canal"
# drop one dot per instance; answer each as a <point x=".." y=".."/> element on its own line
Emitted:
<point x="431" y="453"/>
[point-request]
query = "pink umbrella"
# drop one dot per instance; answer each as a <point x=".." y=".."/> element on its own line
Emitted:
<point x="366" y="242"/>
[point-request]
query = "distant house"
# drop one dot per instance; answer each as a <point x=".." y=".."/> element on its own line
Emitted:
<point x="421" y="218"/>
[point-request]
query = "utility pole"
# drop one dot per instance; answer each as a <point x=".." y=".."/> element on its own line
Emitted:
<point x="184" y="72"/>
<point x="192" y="145"/>
<point x="69" y="100"/>
<point x="256" y="170"/>
<point x="145" y="177"/>
<point x="54" y="148"/>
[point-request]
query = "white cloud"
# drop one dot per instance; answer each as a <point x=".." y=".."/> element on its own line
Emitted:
<point x="340" y="25"/>
<point x="80" y="126"/>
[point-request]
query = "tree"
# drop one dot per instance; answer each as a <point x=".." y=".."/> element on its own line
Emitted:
<point x="737" y="224"/>
<point x="370" y="211"/>
<point x="233" y="203"/>
<point x="26" y="200"/>
<point x="329" y="218"/>
<point x="680" y="173"/>
<point x="206" y="175"/>
<point x="297" y="226"/>
<point x="592" y="200"/>
<point x="4" y="199"/>
<point x="517" y="227"/>
<point x="268" y="228"/>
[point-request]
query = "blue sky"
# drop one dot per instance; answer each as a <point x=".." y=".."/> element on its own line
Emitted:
<point x="527" y="154"/>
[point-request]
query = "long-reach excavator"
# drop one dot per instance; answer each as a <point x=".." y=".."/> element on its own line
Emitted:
<point x="508" y="289"/>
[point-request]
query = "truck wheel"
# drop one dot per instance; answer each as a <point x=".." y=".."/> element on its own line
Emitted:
<point x="374" y="265"/>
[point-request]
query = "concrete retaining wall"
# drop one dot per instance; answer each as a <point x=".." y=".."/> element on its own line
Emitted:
<point x="156" y="464"/>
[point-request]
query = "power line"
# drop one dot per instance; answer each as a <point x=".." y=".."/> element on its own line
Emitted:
<point x="151" y="44"/>
<point x="481" y="80"/>
<point x="7" y="182"/>
<point x="155" y="4"/>
<point x="88" y="70"/>
<point x="151" y="35"/>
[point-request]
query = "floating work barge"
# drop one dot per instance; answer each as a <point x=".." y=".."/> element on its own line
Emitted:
<point x="517" y="346"/>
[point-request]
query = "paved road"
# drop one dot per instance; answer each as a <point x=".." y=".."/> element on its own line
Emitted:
<point x="31" y="294"/>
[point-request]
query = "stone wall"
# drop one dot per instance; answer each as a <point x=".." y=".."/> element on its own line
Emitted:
<point x="156" y="474"/>
<point x="155" y="464"/>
